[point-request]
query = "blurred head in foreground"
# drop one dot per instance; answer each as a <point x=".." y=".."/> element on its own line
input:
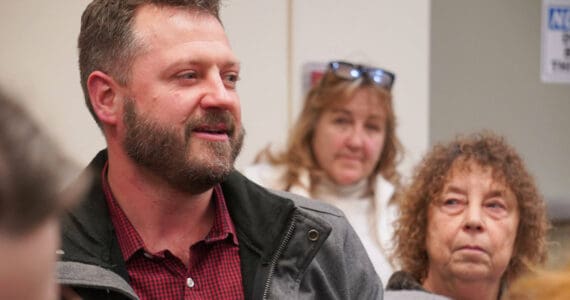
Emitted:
<point x="32" y="172"/>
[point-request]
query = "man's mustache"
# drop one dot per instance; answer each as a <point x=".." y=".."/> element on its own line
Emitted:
<point x="212" y="118"/>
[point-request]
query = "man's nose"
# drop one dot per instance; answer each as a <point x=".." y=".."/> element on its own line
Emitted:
<point x="218" y="95"/>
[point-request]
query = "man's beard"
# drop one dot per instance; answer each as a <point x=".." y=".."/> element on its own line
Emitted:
<point x="161" y="150"/>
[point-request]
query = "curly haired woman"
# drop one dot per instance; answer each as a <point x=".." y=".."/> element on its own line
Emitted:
<point x="472" y="220"/>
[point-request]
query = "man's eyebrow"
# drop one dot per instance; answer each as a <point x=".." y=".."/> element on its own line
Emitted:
<point x="174" y="65"/>
<point x="232" y="64"/>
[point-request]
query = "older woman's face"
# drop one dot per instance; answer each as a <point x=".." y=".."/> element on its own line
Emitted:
<point x="472" y="227"/>
<point x="349" y="138"/>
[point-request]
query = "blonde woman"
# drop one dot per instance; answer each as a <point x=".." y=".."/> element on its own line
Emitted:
<point x="343" y="150"/>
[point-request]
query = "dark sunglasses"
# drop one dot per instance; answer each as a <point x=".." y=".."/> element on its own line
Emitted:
<point x="350" y="71"/>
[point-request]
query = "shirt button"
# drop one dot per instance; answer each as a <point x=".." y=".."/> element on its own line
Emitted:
<point x="189" y="282"/>
<point x="147" y="255"/>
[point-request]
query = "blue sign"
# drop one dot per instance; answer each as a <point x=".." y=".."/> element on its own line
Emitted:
<point x="559" y="18"/>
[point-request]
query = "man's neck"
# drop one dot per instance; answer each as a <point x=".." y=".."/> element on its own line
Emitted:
<point x="457" y="288"/>
<point x="164" y="217"/>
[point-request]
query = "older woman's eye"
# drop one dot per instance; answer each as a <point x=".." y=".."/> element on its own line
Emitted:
<point x="450" y="202"/>
<point x="496" y="206"/>
<point x="452" y="205"/>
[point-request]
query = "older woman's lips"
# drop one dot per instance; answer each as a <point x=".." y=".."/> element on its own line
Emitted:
<point x="472" y="248"/>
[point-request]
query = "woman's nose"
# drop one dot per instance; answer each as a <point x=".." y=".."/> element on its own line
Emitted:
<point x="473" y="219"/>
<point x="355" y="138"/>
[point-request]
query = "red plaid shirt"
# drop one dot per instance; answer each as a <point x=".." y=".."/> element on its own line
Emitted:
<point x="214" y="268"/>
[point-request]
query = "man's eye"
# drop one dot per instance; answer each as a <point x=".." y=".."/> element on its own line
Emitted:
<point x="231" y="79"/>
<point x="188" y="75"/>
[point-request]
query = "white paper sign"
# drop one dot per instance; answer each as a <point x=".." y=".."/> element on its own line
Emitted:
<point x="555" y="48"/>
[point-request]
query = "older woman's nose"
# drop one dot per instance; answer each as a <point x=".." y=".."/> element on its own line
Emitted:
<point x="473" y="219"/>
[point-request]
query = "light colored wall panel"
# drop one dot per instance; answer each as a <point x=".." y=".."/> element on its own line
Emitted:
<point x="38" y="59"/>
<point x="257" y="31"/>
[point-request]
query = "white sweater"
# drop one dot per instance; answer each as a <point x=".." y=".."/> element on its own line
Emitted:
<point x="352" y="202"/>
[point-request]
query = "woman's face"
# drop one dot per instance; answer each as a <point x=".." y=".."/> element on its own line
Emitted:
<point x="471" y="228"/>
<point x="349" y="138"/>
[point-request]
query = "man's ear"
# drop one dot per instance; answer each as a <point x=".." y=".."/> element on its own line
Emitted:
<point x="105" y="97"/>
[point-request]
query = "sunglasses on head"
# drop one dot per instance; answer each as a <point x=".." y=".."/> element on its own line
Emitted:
<point x="348" y="71"/>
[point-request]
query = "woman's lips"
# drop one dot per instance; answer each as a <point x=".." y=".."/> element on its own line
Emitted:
<point x="472" y="248"/>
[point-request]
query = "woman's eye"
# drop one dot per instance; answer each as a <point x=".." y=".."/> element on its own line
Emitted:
<point x="374" y="127"/>
<point x="450" y="202"/>
<point x="497" y="208"/>
<point x="452" y="205"/>
<point x="495" y="205"/>
<point x="341" y="121"/>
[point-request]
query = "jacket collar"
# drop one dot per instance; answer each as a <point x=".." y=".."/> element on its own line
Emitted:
<point x="260" y="216"/>
<point x="87" y="231"/>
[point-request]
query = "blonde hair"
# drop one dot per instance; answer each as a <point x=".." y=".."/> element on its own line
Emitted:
<point x="299" y="156"/>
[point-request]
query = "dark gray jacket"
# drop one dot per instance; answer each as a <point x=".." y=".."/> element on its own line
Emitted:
<point x="290" y="247"/>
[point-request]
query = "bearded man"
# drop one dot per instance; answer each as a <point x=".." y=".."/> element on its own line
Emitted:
<point x="168" y="217"/>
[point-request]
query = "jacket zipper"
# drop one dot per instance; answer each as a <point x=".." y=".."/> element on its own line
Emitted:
<point x="277" y="254"/>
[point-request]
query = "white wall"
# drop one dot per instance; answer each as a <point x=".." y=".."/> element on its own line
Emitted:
<point x="38" y="59"/>
<point x="257" y="32"/>
<point x="38" y="63"/>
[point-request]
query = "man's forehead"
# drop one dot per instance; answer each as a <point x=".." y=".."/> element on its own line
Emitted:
<point x="170" y="28"/>
<point x="152" y="20"/>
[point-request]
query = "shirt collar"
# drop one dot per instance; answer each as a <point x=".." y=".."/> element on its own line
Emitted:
<point x="129" y="239"/>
